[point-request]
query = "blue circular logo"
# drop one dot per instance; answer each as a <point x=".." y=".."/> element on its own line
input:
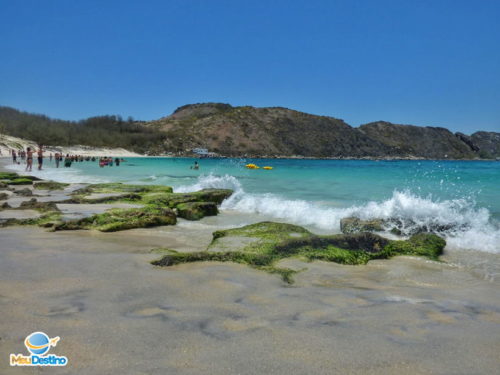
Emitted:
<point x="37" y="343"/>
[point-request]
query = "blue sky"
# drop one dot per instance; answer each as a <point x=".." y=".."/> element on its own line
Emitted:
<point x="434" y="63"/>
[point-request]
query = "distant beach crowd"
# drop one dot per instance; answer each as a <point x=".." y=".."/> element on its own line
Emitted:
<point x="26" y="156"/>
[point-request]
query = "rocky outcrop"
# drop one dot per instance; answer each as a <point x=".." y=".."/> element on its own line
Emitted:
<point x="196" y="210"/>
<point x="488" y="144"/>
<point x="355" y="225"/>
<point x="264" y="244"/>
<point x="418" y="141"/>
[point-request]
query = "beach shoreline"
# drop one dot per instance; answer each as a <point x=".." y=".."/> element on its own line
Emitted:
<point x="115" y="312"/>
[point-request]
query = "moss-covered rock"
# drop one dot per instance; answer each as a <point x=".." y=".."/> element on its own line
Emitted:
<point x="32" y="178"/>
<point x="104" y="198"/>
<point x="26" y="192"/>
<point x="262" y="245"/>
<point x="33" y="204"/>
<point x="355" y="225"/>
<point x="43" y="220"/>
<point x="174" y="199"/>
<point x="122" y="219"/>
<point x="196" y="210"/>
<point x="117" y="187"/>
<point x="50" y="185"/>
<point x="20" y="181"/>
<point x="8" y="175"/>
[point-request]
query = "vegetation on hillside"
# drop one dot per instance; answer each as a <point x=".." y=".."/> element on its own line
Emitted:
<point x="100" y="131"/>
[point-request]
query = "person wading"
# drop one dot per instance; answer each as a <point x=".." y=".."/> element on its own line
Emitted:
<point x="29" y="159"/>
<point x="40" y="158"/>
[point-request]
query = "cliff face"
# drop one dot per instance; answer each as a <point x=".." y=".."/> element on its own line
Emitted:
<point x="488" y="143"/>
<point x="240" y="131"/>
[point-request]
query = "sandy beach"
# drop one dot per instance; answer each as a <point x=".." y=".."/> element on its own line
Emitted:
<point x="117" y="313"/>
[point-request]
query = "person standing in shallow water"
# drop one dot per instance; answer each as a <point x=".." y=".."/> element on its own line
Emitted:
<point x="40" y="158"/>
<point x="29" y="159"/>
<point x="14" y="157"/>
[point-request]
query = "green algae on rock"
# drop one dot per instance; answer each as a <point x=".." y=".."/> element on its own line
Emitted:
<point x="20" y="181"/>
<point x="122" y="219"/>
<point x="48" y="219"/>
<point x="263" y="244"/>
<point x="196" y="210"/>
<point x="174" y="199"/>
<point x="39" y="206"/>
<point x="50" y="185"/>
<point x="117" y="187"/>
<point x="190" y="206"/>
<point x="355" y="224"/>
<point x="8" y="175"/>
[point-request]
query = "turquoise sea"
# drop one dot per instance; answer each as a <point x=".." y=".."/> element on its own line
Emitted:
<point x="460" y="198"/>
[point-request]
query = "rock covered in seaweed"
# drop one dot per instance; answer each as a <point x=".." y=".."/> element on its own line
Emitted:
<point x="355" y="225"/>
<point x="122" y="219"/>
<point x="263" y="244"/>
<point x="49" y="185"/>
<point x="196" y="210"/>
<point x="398" y="226"/>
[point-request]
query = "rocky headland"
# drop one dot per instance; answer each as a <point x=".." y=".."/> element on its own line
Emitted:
<point x="247" y="131"/>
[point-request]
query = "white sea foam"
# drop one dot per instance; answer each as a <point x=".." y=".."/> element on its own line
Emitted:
<point x="69" y="175"/>
<point x="462" y="224"/>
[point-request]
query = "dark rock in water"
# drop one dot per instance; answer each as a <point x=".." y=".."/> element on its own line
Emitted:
<point x="4" y="206"/>
<point x="355" y="225"/>
<point x="196" y="210"/>
<point x="26" y="192"/>
<point x="4" y="196"/>
<point x="3" y="185"/>
<point x="398" y="226"/>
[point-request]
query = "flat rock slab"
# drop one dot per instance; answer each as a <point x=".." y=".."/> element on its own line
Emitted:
<point x="19" y="214"/>
<point x="15" y="201"/>
<point x="232" y="243"/>
<point x="76" y="211"/>
<point x="104" y="195"/>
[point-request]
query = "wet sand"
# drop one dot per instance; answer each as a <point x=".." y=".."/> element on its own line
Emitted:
<point x="116" y="313"/>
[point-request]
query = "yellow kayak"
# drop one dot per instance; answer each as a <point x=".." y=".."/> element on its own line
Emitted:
<point x="252" y="166"/>
<point x="268" y="168"/>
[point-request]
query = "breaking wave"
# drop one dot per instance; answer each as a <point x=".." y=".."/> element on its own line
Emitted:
<point x="462" y="224"/>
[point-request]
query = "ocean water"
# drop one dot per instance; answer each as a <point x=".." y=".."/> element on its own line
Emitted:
<point x="458" y="199"/>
